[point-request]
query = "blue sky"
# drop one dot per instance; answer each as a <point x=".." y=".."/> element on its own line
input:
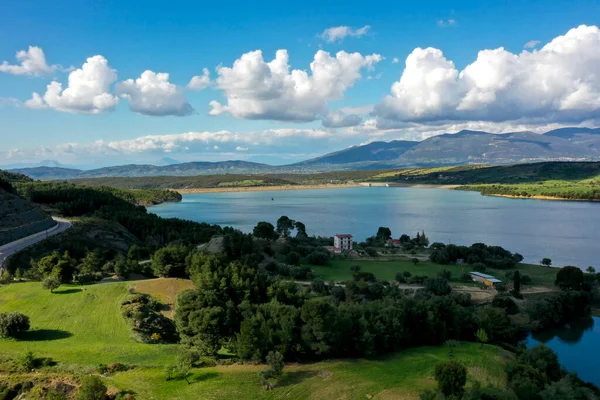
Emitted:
<point x="271" y="114"/>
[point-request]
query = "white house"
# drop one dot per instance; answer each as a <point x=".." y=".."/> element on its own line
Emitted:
<point x="342" y="242"/>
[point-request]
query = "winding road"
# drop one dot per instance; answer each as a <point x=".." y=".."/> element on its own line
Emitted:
<point x="11" y="248"/>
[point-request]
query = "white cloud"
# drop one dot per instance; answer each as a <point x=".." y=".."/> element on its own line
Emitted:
<point x="559" y="82"/>
<point x="338" y="119"/>
<point x="152" y="94"/>
<point x="531" y="44"/>
<point x="88" y="91"/>
<point x="31" y="62"/>
<point x="200" y="82"/>
<point x="256" y="89"/>
<point x="395" y="60"/>
<point x="240" y="148"/>
<point x="216" y="147"/>
<point x="444" y="23"/>
<point x="339" y="33"/>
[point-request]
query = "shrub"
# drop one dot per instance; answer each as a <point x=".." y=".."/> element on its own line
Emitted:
<point x="479" y="267"/>
<point x="13" y="323"/>
<point x="407" y="274"/>
<point x="318" y="257"/>
<point x="466" y="277"/>
<point x="91" y="388"/>
<point x="451" y="377"/>
<point x="400" y="278"/>
<point x="447" y="275"/>
<point x="371" y="251"/>
<point x="27" y="362"/>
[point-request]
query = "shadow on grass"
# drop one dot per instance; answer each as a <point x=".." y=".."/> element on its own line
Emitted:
<point x="44" y="334"/>
<point x="203" y="376"/>
<point x="296" y="377"/>
<point x="67" y="291"/>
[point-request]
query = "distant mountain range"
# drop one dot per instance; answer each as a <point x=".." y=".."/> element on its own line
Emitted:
<point x="464" y="147"/>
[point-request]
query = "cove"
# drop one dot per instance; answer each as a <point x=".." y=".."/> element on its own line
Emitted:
<point x="564" y="231"/>
<point x="576" y="345"/>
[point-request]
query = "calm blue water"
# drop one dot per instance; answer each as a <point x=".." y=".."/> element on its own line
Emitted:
<point x="566" y="232"/>
<point x="577" y="347"/>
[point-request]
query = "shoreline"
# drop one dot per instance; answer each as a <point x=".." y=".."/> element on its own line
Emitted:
<point x="263" y="188"/>
<point x="536" y="197"/>
<point x="307" y="187"/>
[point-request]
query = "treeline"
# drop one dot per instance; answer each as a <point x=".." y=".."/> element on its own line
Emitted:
<point x="228" y="180"/>
<point x="479" y="255"/>
<point x="249" y="312"/>
<point x="581" y="192"/>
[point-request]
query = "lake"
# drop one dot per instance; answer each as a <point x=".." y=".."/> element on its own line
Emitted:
<point x="565" y="231"/>
<point x="576" y="346"/>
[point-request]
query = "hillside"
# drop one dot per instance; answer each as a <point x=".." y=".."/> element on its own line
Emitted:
<point x="80" y="327"/>
<point x="20" y="218"/>
<point x="461" y="148"/>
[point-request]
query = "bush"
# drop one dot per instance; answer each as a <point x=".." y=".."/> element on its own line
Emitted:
<point x="318" y="257"/>
<point x="400" y="278"/>
<point x="292" y="258"/>
<point x="91" y="388"/>
<point x="466" y="277"/>
<point x="451" y="377"/>
<point x="447" y="275"/>
<point x="479" y="267"/>
<point x="506" y="302"/>
<point x="13" y="323"/>
<point x="371" y="251"/>
<point x="27" y="362"/>
<point x="438" y="286"/>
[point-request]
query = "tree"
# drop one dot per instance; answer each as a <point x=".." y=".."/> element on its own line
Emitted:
<point x="184" y="366"/>
<point x="451" y="344"/>
<point x="284" y="226"/>
<point x="384" y="233"/>
<point x="451" y="378"/>
<point x="569" y="278"/>
<point x="292" y="258"/>
<point x="438" y="286"/>
<point x="415" y="260"/>
<point x="318" y="257"/>
<point x="481" y="336"/>
<point x="13" y="323"/>
<point x="273" y="372"/>
<point x="590" y="270"/>
<point x="371" y="251"/>
<point x="300" y="230"/>
<point x="264" y="230"/>
<point x="400" y="278"/>
<point x="51" y="282"/>
<point x="516" y="284"/>
<point x="91" y="388"/>
<point x="546" y="262"/>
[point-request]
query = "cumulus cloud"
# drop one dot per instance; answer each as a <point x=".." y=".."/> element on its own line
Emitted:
<point x="200" y="82"/>
<point x="152" y="94"/>
<point x="256" y="89"/>
<point x="559" y="82"/>
<point x="31" y="62"/>
<point x="88" y="90"/>
<point x="240" y="148"/>
<point x="338" y="119"/>
<point x="531" y="44"/>
<point x="395" y="60"/>
<point x="339" y="33"/>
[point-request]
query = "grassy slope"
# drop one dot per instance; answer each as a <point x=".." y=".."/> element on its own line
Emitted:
<point x="401" y="376"/>
<point x="98" y="334"/>
<point x="386" y="270"/>
<point x="75" y="326"/>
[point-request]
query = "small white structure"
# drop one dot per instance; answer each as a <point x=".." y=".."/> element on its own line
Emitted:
<point x="342" y="242"/>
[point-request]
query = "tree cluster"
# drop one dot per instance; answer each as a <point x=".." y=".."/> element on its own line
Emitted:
<point x="476" y="254"/>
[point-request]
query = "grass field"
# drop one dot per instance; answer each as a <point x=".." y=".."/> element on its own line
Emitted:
<point x="402" y="376"/>
<point x="339" y="270"/>
<point x="82" y="328"/>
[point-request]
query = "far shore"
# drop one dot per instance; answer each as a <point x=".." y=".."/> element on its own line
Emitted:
<point x="538" y="197"/>
<point x="305" y="187"/>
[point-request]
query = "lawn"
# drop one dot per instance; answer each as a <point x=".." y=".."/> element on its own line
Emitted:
<point x="401" y="376"/>
<point x="82" y="327"/>
<point x="77" y="325"/>
<point x="339" y="270"/>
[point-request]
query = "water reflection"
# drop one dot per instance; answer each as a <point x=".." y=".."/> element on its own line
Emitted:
<point x="570" y="334"/>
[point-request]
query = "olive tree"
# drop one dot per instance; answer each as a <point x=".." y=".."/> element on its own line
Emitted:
<point x="13" y="323"/>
